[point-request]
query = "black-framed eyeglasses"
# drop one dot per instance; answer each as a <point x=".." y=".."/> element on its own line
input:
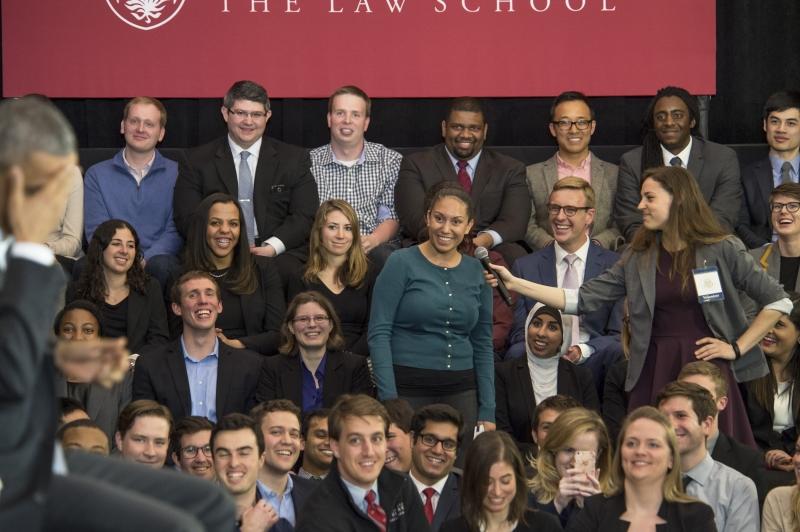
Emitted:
<point x="792" y="206"/>
<point x="240" y="114"/>
<point x="429" y="440"/>
<point x="566" y="125"/>
<point x="307" y="320"/>
<point x="569" y="210"/>
<point x="190" y="451"/>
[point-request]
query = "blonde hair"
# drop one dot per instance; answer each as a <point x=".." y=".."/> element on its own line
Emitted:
<point x="354" y="270"/>
<point x="566" y="427"/>
<point x="672" y="488"/>
<point x="577" y="183"/>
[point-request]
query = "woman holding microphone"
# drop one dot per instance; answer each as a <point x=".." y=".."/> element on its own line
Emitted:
<point x="681" y="274"/>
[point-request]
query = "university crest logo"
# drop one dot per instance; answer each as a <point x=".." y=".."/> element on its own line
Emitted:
<point x="145" y="14"/>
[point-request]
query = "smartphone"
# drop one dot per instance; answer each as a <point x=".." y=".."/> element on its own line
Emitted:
<point x="586" y="461"/>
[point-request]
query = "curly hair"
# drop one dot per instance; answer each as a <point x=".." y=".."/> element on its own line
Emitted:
<point x="92" y="284"/>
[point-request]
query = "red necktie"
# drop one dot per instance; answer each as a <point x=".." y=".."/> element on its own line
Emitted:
<point x="463" y="176"/>
<point x="375" y="512"/>
<point x="429" y="493"/>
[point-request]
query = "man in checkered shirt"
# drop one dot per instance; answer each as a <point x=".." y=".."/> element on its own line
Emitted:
<point x="360" y="172"/>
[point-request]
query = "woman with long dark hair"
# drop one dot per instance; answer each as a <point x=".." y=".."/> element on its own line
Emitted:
<point x="338" y="269"/>
<point x="251" y="291"/>
<point x="774" y="400"/>
<point x="494" y="497"/>
<point x="131" y="304"/>
<point x="681" y="274"/>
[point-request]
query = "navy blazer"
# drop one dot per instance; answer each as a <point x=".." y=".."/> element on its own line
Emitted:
<point x="449" y="505"/>
<point x="754" y="226"/>
<point x="160" y="375"/>
<point x="516" y="401"/>
<point x="603" y="324"/>
<point x="345" y="372"/>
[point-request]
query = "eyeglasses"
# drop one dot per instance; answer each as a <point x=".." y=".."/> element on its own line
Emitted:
<point x="429" y="440"/>
<point x="306" y="320"/>
<point x="566" y="125"/>
<point x="792" y="206"/>
<point x="569" y="210"/>
<point x="241" y="115"/>
<point x="190" y="451"/>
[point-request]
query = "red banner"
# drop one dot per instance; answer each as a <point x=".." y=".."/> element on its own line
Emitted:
<point x="391" y="48"/>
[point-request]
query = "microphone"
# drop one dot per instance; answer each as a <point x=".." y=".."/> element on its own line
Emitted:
<point x="483" y="255"/>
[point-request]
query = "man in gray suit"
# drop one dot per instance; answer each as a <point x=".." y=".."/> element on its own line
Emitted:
<point x="672" y="138"/>
<point x="572" y="124"/>
<point x="435" y="429"/>
<point x="495" y="182"/>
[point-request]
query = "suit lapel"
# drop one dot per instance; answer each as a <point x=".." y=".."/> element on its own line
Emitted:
<point x="594" y="266"/>
<point x="647" y="276"/>
<point x="525" y="384"/>
<point x="226" y="168"/>
<point x="332" y="386"/>
<point x="447" y="499"/>
<point x="292" y="378"/>
<point x="547" y="266"/>
<point x="180" y="380"/>
<point x="550" y="171"/>
<point x="225" y="371"/>
<point x="765" y="183"/>
<point x="482" y="174"/>
<point x="696" y="161"/>
<point x="598" y="174"/>
<point x="137" y="312"/>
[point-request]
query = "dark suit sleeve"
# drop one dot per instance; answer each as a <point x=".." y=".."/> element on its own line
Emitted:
<point x="626" y="215"/>
<point x="157" y="330"/>
<point x="142" y="386"/>
<point x="615" y="399"/>
<point x="268" y="339"/>
<point x="515" y="210"/>
<point x="409" y="198"/>
<point x="267" y="388"/>
<point x="503" y="408"/>
<point x="416" y="521"/>
<point x="303" y="204"/>
<point x="362" y="381"/>
<point x="727" y="197"/>
<point x="588" y="390"/>
<point x="745" y="223"/>
<point x="188" y="193"/>
<point x="27" y="308"/>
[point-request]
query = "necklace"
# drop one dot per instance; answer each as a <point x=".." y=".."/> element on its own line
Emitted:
<point x="218" y="275"/>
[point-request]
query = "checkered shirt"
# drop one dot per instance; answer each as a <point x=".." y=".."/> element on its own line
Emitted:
<point x="366" y="185"/>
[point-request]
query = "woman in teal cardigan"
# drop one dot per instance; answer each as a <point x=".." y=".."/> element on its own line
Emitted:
<point x="430" y="331"/>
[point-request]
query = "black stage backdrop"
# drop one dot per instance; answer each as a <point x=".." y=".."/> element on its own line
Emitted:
<point x="758" y="52"/>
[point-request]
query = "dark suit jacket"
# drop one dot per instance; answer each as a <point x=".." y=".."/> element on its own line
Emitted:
<point x="516" y="401"/>
<point x="103" y="404"/>
<point x="160" y="375"/>
<point x="285" y="196"/>
<point x="301" y="490"/>
<point x="601" y="513"/>
<point x="29" y="294"/>
<point x="754" y="226"/>
<point x="714" y="166"/>
<point x="345" y="372"/>
<point x="603" y="325"/>
<point x="535" y="521"/>
<point x="333" y="510"/>
<point x="449" y="505"/>
<point x="499" y="192"/>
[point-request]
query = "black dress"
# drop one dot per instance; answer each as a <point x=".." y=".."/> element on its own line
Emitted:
<point x="535" y="521"/>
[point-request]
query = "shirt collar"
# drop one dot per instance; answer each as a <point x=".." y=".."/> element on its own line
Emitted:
<point x="683" y="155"/>
<point x="267" y="493"/>
<point x="777" y="163"/>
<point x="145" y="169"/>
<point x="472" y="163"/>
<point x="5" y="245"/>
<point x="438" y="486"/>
<point x="582" y="252"/>
<point x="320" y="369"/>
<point x="564" y="164"/>
<point x="214" y="352"/>
<point x="361" y="158"/>
<point x="237" y="150"/>
<point x="358" y="493"/>
<point x="701" y="471"/>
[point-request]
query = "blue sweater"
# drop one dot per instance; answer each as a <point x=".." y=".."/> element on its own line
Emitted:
<point x="429" y="317"/>
<point x="110" y="191"/>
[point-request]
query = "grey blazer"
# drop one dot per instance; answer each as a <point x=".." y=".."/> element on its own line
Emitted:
<point x="714" y="166"/>
<point x="768" y="257"/>
<point x="634" y="276"/>
<point x="103" y="404"/>
<point x="541" y="178"/>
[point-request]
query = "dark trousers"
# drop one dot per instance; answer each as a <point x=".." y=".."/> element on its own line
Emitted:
<point x="101" y="494"/>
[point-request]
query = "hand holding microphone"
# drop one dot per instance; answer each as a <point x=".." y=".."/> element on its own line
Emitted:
<point x="483" y="255"/>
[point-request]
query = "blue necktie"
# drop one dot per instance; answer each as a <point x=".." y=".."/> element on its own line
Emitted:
<point x="246" y="197"/>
